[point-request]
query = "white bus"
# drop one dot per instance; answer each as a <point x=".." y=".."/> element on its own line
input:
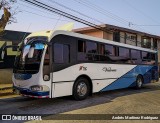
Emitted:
<point x="60" y="63"/>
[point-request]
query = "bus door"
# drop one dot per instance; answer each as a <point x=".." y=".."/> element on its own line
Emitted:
<point x="61" y="60"/>
<point x="47" y="69"/>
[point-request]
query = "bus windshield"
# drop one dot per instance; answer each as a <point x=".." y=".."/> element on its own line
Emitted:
<point x="26" y="64"/>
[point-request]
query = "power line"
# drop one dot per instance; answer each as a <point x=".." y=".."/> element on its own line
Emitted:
<point x="105" y="12"/>
<point x="75" y="11"/>
<point x="102" y="11"/>
<point x="44" y="16"/>
<point x="141" y="12"/>
<point x="57" y="11"/>
<point x="57" y="22"/>
<point x="113" y="16"/>
<point x="39" y="14"/>
<point x="39" y="10"/>
<point x="51" y="9"/>
<point x="148" y="25"/>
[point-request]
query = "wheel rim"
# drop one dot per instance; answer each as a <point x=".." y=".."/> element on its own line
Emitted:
<point x="82" y="89"/>
<point x="139" y="82"/>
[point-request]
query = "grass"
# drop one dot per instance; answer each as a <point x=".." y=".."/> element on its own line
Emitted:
<point x="5" y="76"/>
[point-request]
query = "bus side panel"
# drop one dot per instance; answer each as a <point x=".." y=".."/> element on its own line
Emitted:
<point x="62" y="89"/>
<point x="99" y="84"/>
<point x="128" y="79"/>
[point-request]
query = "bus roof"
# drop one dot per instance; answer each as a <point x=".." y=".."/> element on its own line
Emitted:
<point x="58" y="32"/>
<point x="51" y="34"/>
<point x="46" y="33"/>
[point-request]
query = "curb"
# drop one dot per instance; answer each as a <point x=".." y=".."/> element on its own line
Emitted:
<point x="6" y="91"/>
<point x="5" y="88"/>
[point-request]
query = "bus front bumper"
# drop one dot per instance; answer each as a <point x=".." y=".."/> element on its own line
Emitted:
<point x="29" y="93"/>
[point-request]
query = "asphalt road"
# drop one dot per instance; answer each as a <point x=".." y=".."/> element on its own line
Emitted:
<point x="124" y="101"/>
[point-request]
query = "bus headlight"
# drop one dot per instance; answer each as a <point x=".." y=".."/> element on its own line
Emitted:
<point x="39" y="88"/>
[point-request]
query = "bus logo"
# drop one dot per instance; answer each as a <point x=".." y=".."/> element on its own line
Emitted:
<point x="109" y="69"/>
<point x="82" y="68"/>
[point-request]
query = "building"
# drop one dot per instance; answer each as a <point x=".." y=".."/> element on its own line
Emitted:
<point x="10" y="38"/>
<point x="124" y="35"/>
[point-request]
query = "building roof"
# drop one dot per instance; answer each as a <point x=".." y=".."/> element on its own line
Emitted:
<point x="112" y="28"/>
<point x="10" y="35"/>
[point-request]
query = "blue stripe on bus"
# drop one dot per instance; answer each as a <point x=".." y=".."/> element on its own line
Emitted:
<point x="128" y="79"/>
<point x="26" y="91"/>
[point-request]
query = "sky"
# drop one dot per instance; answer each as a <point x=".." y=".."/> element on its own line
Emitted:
<point x="140" y="15"/>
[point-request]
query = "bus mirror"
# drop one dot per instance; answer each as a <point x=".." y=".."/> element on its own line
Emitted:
<point x="31" y="52"/>
<point x="2" y="54"/>
<point x="46" y="78"/>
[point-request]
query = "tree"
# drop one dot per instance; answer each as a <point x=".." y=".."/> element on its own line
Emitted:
<point x="7" y="13"/>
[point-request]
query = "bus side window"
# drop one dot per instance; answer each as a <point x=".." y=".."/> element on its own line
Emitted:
<point x="61" y="53"/>
<point x="101" y="49"/>
<point x="91" y="47"/>
<point x="109" y="50"/>
<point x="46" y="72"/>
<point x="136" y="56"/>
<point x="81" y="46"/>
<point x="81" y="50"/>
<point x="124" y="55"/>
<point x="46" y="58"/>
<point x="153" y="58"/>
<point x="145" y="58"/>
<point x="92" y="51"/>
<point x="148" y="58"/>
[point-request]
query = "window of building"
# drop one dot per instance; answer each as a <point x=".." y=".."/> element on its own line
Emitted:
<point x="131" y="39"/>
<point x="154" y="43"/>
<point x="61" y="53"/>
<point x="146" y="42"/>
<point x="116" y="36"/>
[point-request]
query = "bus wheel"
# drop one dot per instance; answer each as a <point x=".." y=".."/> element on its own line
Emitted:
<point x="81" y="89"/>
<point x="139" y="82"/>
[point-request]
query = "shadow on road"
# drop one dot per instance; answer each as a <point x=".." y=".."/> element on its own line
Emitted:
<point x="23" y="105"/>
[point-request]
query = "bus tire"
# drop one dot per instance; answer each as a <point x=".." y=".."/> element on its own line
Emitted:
<point x="139" y="82"/>
<point x="81" y="89"/>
